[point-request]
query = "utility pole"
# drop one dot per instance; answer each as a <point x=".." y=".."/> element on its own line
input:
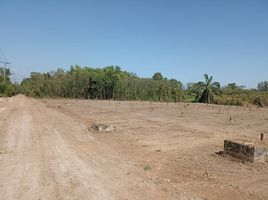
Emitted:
<point x="5" y="63"/>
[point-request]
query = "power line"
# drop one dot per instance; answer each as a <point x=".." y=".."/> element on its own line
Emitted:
<point x="3" y="55"/>
<point x="5" y="63"/>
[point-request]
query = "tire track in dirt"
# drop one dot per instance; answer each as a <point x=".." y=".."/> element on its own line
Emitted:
<point x="15" y="163"/>
<point x="109" y="167"/>
<point x="49" y="155"/>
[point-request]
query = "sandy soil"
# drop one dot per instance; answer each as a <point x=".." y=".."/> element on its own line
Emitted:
<point x="48" y="150"/>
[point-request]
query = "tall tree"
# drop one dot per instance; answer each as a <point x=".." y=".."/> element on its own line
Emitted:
<point x="207" y="90"/>
<point x="7" y="88"/>
<point x="158" y="76"/>
<point x="263" y="86"/>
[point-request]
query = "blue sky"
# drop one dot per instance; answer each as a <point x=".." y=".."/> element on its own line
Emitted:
<point x="182" y="39"/>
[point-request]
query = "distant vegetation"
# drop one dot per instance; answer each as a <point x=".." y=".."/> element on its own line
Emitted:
<point x="113" y="83"/>
<point x="205" y="92"/>
<point x="6" y="87"/>
<point x="263" y="86"/>
<point x="107" y="83"/>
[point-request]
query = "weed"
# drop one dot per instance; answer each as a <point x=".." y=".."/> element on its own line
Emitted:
<point x="147" y="167"/>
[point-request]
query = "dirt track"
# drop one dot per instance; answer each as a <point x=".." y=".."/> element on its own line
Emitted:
<point x="157" y="151"/>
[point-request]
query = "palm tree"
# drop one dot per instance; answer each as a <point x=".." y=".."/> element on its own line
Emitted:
<point x="207" y="90"/>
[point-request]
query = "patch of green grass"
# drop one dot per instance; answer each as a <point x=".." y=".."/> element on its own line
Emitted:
<point x="147" y="167"/>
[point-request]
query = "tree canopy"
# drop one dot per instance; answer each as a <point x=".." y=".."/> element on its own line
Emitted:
<point x="263" y="86"/>
<point x="158" y="76"/>
<point x="113" y="83"/>
<point x="206" y="91"/>
<point x="6" y="87"/>
<point x="101" y="83"/>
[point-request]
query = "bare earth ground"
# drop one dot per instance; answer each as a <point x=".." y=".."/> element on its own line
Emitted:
<point x="48" y="150"/>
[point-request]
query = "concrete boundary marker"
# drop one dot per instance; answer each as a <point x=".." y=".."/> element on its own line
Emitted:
<point x="246" y="151"/>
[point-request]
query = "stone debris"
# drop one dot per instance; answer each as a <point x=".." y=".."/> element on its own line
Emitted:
<point x="103" y="127"/>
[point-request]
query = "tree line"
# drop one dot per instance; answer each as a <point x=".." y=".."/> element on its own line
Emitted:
<point x="101" y="83"/>
<point x="113" y="83"/>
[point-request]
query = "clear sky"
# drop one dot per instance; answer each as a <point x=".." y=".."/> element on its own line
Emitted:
<point x="182" y="39"/>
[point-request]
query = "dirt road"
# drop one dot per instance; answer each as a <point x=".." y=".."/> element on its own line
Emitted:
<point x="48" y="151"/>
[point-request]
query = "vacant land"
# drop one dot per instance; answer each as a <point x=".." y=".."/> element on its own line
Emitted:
<point x="48" y="150"/>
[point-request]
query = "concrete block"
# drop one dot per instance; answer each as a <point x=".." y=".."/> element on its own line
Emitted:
<point x="103" y="127"/>
<point x="246" y="151"/>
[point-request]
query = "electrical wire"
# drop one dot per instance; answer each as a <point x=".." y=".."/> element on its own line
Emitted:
<point x="3" y="56"/>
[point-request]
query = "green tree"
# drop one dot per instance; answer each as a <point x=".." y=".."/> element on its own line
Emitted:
<point x="207" y="90"/>
<point x="263" y="86"/>
<point x="5" y="74"/>
<point x="101" y="83"/>
<point x="158" y="76"/>
<point x="7" y="88"/>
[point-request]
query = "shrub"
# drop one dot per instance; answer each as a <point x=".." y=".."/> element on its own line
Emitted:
<point x="10" y="91"/>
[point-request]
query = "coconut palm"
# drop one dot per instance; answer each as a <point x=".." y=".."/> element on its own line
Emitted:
<point x="207" y="90"/>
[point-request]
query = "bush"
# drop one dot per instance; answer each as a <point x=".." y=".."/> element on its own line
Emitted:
<point x="235" y="100"/>
<point x="246" y="97"/>
<point x="261" y="100"/>
<point x="10" y="91"/>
